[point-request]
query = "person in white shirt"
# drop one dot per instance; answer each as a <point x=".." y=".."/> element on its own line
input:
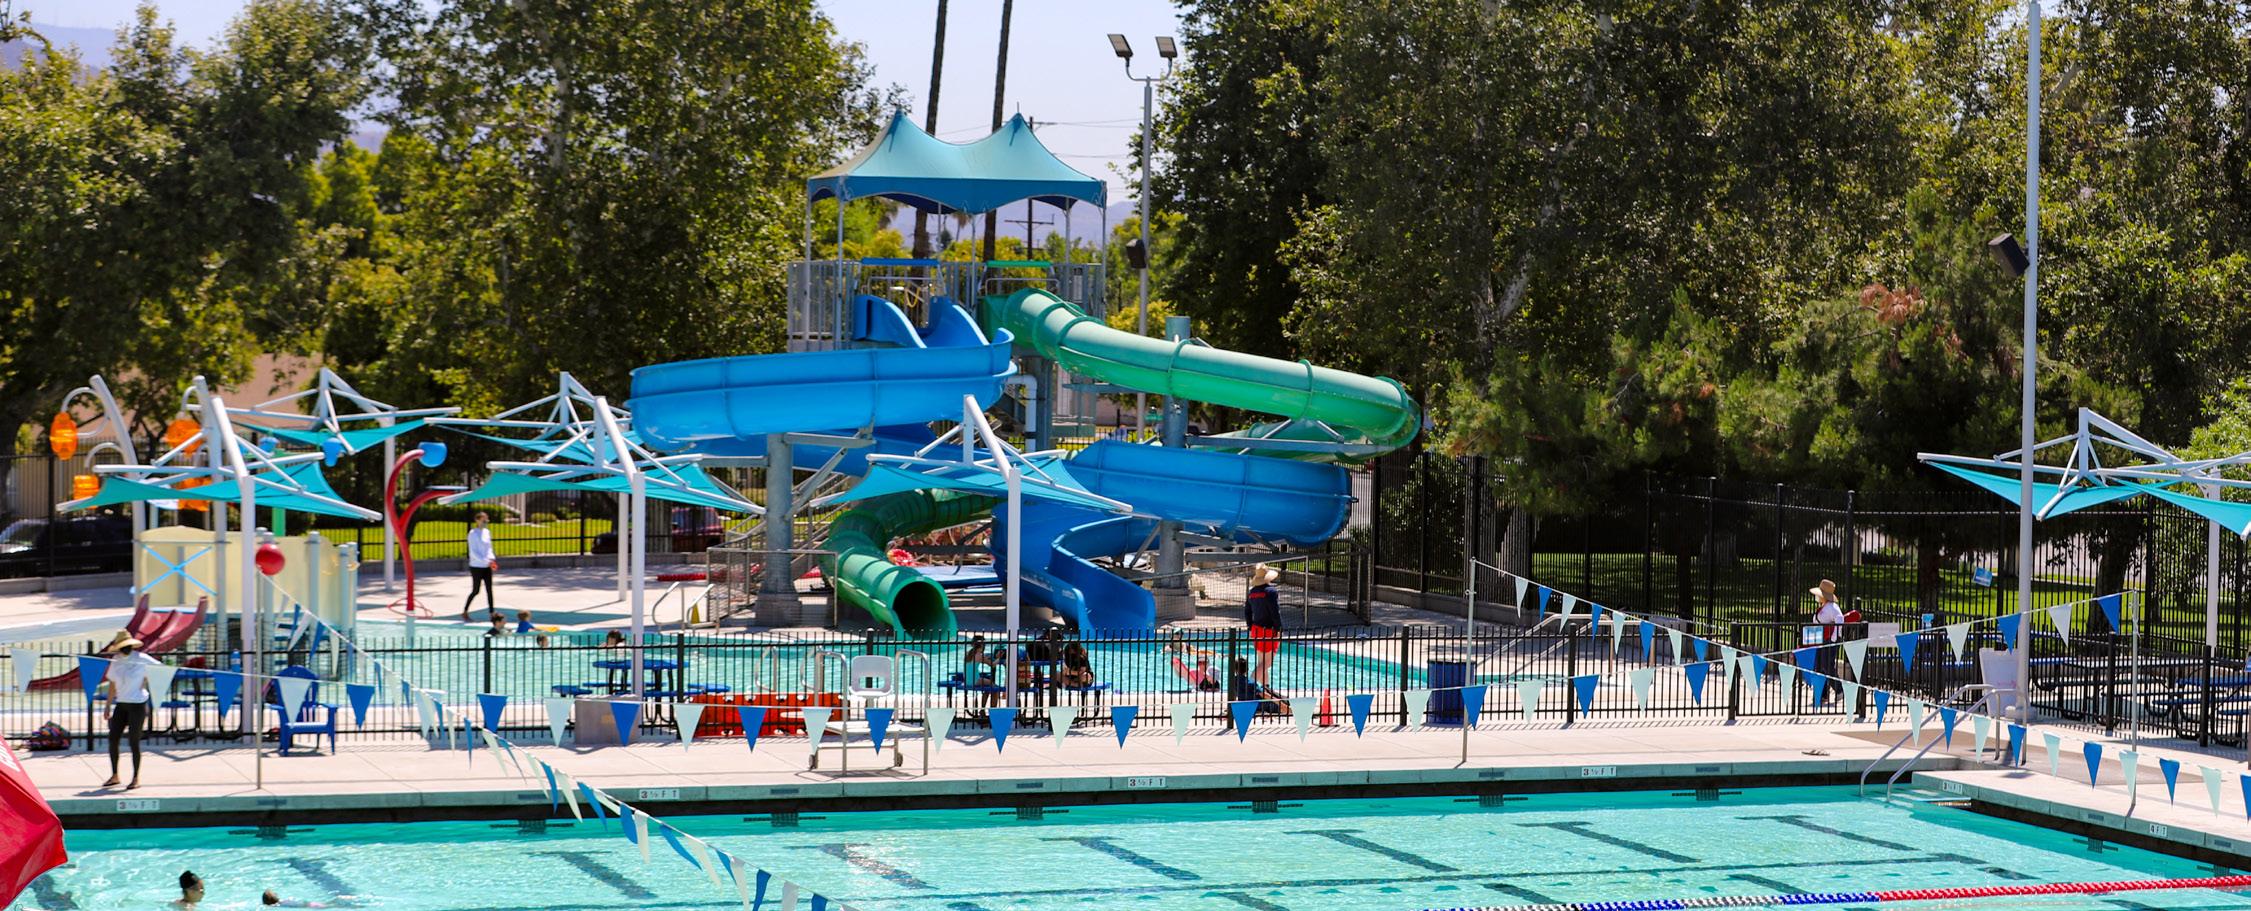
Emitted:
<point x="482" y="561"/>
<point x="1832" y="620"/>
<point x="128" y="683"/>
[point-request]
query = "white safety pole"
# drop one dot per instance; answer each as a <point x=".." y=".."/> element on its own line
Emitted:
<point x="2031" y="343"/>
<point x="390" y="533"/>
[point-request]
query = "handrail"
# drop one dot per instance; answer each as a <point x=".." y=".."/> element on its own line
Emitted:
<point x="1912" y="732"/>
<point x="929" y="671"/>
<point x="816" y="670"/>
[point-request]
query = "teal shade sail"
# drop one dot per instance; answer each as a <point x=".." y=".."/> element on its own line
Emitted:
<point x="2011" y="488"/>
<point x="354" y="441"/>
<point x="292" y="488"/>
<point x="911" y="166"/>
<point x="1051" y="482"/>
<point x="2235" y="517"/>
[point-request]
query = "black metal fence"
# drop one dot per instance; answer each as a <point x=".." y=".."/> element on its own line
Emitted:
<point x="1714" y="550"/>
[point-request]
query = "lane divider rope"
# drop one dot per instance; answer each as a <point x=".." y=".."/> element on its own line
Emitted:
<point x="1890" y="895"/>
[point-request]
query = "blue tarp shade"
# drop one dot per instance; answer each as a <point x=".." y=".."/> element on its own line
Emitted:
<point x="306" y="475"/>
<point x="2010" y="487"/>
<point x="701" y="490"/>
<point x="2235" y="517"/>
<point x="921" y="170"/>
<point x="886" y="479"/>
<point x="354" y="441"/>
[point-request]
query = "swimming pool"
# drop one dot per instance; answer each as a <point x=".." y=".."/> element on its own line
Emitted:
<point x="1334" y="855"/>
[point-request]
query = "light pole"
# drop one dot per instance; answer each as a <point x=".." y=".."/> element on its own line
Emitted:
<point x="1140" y="257"/>
<point x="2025" y="261"/>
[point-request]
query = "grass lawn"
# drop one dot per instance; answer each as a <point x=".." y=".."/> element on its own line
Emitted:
<point x="448" y="540"/>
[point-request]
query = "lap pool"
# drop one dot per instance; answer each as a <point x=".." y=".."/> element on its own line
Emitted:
<point x="1328" y="855"/>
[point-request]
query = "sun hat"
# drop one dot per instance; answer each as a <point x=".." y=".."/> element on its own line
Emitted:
<point x="129" y="644"/>
<point x="1264" y="574"/>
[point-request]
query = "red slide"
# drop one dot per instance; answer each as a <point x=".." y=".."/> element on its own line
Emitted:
<point x="159" y="631"/>
<point x="31" y="839"/>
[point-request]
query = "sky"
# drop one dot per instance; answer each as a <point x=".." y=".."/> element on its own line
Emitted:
<point x="1060" y="69"/>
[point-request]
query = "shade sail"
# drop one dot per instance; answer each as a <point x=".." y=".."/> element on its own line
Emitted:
<point x="563" y="451"/>
<point x="2011" y="488"/>
<point x="353" y="440"/>
<point x="695" y="488"/>
<point x="1057" y="485"/>
<point x="911" y="166"/>
<point x="2235" y="517"/>
<point x="300" y="480"/>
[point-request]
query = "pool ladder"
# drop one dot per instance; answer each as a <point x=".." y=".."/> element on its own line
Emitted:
<point x="1910" y="764"/>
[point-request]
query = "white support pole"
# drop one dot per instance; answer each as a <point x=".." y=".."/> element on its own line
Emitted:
<point x="390" y="534"/>
<point x="622" y="528"/>
<point x="2211" y="577"/>
<point x="640" y="503"/>
<point x="1015" y="564"/>
<point x="2031" y="369"/>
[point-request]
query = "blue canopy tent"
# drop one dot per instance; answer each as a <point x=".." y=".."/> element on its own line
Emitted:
<point x="911" y="166"/>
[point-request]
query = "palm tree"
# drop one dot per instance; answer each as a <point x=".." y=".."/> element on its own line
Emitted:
<point x="930" y="124"/>
<point x="1000" y="91"/>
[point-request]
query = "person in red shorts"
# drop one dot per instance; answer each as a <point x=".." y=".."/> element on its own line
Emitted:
<point x="1263" y="611"/>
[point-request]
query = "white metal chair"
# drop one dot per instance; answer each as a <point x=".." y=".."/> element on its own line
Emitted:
<point x="2000" y="689"/>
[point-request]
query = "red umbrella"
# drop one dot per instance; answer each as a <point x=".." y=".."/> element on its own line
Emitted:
<point x="31" y="838"/>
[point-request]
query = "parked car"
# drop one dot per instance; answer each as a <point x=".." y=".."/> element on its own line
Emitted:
<point x="67" y="544"/>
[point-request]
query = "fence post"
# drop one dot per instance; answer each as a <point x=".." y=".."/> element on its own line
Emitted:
<point x="1851" y="549"/>
<point x="1711" y="545"/>
<point x="1404" y="632"/>
<point x="1648" y="546"/>
<point x="1571" y="676"/>
<point x="488" y="664"/>
<point x="582" y="524"/>
<point x="1422" y="523"/>
<point x="1781" y="539"/>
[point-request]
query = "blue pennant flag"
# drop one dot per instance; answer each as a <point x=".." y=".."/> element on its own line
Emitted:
<point x="1003" y="721"/>
<point x="879" y="726"/>
<point x="1473" y="702"/>
<point x="1121" y="719"/>
<point x="2110" y="605"/>
<point x="2016" y="744"/>
<point x="90" y="673"/>
<point x="1360" y="704"/>
<point x="758" y="894"/>
<point x="1806" y="658"/>
<point x="1948" y="716"/>
<point x="1242" y="710"/>
<point x="1758" y="670"/>
<point x="492" y="705"/>
<point x="754" y="721"/>
<point x="2246" y="781"/>
<point x="820" y="902"/>
<point x="361" y="695"/>
<point x="626" y="714"/>
<point x="1648" y="640"/>
<point x="2009" y="626"/>
<point x="1820" y="684"/>
<point x="2094" y="762"/>
<point x="1700" y="646"/>
<point x="2172" y="770"/>
<point x="625" y="821"/>
<point x="677" y="847"/>
<point x="1544" y="593"/>
<point x="1907" y="644"/>
<point x="601" y="816"/>
<point x="1584" y="686"/>
<point x="1696" y="675"/>
<point x="229" y="686"/>
<point x="1594" y="621"/>
<point x="554" y="791"/>
<point x="1883" y="702"/>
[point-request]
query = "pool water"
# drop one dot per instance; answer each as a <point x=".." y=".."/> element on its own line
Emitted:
<point x="1334" y="855"/>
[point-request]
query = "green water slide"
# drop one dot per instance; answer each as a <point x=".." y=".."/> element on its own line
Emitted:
<point x="861" y="570"/>
<point x="1376" y="408"/>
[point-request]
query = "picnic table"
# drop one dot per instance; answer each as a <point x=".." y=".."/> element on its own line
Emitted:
<point x="620" y="670"/>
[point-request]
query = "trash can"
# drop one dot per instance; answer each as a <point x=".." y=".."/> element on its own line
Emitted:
<point x="1444" y="677"/>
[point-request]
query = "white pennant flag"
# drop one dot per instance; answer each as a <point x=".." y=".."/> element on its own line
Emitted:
<point x="941" y="721"/>
<point x="1528" y="698"/>
<point x="1182" y="713"/>
<point x="569" y="787"/>
<point x="2212" y="781"/>
<point x="1520" y="586"/>
<point x="1856" y="655"/>
<point x="426" y="713"/>
<point x="743" y="875"/>
<point x="1061" y="718"/>
<point x="1673" y="635"/>
<point x="1617" y="630"/>
<point x="1915" y="719"/>
<point x="816" y="726"/>
<point x="1569" y="602"/>
<point x="2055" y="752"/>
<point x="2127" y="760"/>
<point x="1958" y="635"/>
<point x="1788" y="674"/>
<point x="641" y="834"/>
<point x="685" y="717"/>
<point x="293" y="693"/>
<point x="558" y="717"/>
<point x="1727" y="669"/>
<point x="702" y="853"/>
<point x="1751" y="678"/>
<point x="490" y="744"/>
<point x="1639" y="679"/>
<point x="1852" y="698"/>
<point x="789" y="896"/>
<point x="1418" y="705"/>
<point x="25" y="662"/>
<point x="1302" y="710"/>
<point x="1981" y="727"/>
<point x="2059" y="617"/>
<point x="160" y="683"/>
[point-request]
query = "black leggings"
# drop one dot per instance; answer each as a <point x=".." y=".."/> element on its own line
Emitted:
<point x="480" y="579"/>
<point x="130" y="719"/>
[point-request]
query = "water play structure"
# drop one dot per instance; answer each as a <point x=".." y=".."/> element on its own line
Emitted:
<point x="883" y="353"/>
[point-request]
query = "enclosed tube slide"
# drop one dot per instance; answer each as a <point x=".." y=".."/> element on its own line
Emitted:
<point x="862" y="573"/>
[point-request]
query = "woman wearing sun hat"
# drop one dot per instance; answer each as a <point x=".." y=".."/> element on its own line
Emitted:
<point x="128" y="682"/>
<point x="1831" y="617"/>
<point x="1262" y="610"/>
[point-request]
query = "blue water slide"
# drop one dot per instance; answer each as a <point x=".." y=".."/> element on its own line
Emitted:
<point x="1239" y="497"/>
<point x="725" y="406"/>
